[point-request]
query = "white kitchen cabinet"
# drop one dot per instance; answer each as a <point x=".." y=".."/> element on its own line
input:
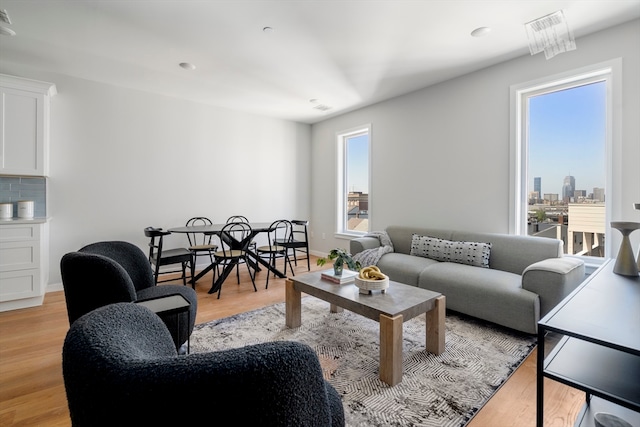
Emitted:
<point x="24" y="126"/>
<point x="23" y="263"/>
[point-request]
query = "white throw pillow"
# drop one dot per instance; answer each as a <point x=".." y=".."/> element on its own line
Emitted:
<point x="469" y="253"/>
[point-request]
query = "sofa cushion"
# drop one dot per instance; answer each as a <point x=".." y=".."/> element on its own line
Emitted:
<point x="484" y="293"/>
<point x="514" y="253"/>
<point x="470" y="253"/>
<point x="401" y="236"/>
<point x="404" y="268"/>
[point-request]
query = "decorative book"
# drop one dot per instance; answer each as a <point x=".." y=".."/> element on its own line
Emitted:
<point x="347" y="276"/>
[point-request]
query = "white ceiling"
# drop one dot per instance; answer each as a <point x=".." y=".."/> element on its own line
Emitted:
<point x="345" y="54"/>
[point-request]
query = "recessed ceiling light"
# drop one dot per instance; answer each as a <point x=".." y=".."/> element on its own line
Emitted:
<point x="187" y="66"/>
<point x="7" y="31"/>
<point x="480" y="31"/>
<point x="268" y="30"/>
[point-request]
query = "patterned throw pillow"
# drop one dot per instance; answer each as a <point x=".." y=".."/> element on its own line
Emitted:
<point x="469" y="253"/>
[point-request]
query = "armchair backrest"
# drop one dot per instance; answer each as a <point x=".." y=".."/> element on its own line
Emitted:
<point x="120" y="367"/>
<point x="99" y="358"/>
<point x="130" y="257"/>
<point x="91" y="281"/>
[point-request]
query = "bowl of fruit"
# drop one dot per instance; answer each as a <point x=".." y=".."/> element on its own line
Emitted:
<point x="371" y="279"/>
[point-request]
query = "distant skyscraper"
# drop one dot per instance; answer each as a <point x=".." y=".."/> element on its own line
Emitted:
<point x="568" y="188"/>
<point x="598" y="194"/>
<point x="537" y="186"/>
<point x="551" y="198"/>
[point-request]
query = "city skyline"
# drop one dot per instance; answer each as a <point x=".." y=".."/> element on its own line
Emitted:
<point x="587" y="191"/>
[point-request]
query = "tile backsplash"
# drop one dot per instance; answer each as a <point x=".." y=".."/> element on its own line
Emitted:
<point x="17" y="188"/>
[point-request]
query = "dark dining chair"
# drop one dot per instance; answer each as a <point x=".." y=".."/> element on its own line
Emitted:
<point x="252" y="245"/>
<point x="279" y="231"/>
<point x="200" y="244"/>
<point x="241" y="218"/>
<point x="237" y="218"/>
<point x="160" y="256"/>
<point x="235" y="238"/>
<point x="298" y="242"/>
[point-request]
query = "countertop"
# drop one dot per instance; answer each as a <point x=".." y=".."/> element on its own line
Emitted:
<point x="38" y="220"/>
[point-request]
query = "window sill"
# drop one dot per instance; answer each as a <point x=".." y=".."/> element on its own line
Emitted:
<point x="591" y="263"/>
<point x="348" y="236"/>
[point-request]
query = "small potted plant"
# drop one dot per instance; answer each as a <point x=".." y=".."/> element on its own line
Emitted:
<point x="340" y="257"/>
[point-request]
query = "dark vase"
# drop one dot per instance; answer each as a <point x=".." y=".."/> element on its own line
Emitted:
<point x="337" y="269"/>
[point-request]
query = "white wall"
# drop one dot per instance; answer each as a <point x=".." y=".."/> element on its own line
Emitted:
<point x="441" y="155"/>
<point x="122" y="160"/>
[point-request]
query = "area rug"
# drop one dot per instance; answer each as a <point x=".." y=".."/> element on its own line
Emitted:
<point x="445" y="390"/>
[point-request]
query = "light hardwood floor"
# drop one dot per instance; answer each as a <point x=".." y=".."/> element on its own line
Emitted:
<point x="32" y="390"/>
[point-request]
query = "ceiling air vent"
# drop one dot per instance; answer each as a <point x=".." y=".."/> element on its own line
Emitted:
<point x="322" y="107"/>
<point x="4" y="17"/>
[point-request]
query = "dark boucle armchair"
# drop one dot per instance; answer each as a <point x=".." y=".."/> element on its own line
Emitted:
<point x="108" y="272"/>
<point x="121" y="368"/>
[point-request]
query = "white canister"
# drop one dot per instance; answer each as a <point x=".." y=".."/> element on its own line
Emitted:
<point x="6" y="210"/>
<point x="25" y="209"/>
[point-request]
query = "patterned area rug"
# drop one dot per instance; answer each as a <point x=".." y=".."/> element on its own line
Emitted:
<point x="445" y="390"/>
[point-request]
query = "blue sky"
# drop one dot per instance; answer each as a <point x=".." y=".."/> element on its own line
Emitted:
<point x="567" y="137"/>
<point x="358" y="163"/>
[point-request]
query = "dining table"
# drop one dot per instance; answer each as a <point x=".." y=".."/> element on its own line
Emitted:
<point x="254" y="259"/>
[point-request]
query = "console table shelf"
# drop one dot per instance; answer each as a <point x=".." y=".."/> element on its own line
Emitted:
<point x="600" y="349"/>
<point x="604" y="372"/>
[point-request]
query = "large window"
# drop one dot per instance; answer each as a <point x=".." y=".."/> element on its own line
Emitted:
<point x="561" y="160"/>
<point x="353" y="204"/>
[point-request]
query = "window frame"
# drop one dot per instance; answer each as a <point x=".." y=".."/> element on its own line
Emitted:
<point x="610" y="72"/>
<point x="341" y="189"/>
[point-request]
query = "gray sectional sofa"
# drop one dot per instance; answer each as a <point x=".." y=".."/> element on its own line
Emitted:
<point x="523" y="277"/>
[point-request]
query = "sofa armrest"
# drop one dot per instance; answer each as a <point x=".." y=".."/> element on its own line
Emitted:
<point x="553" y="279"/>
<point x="360" y="244"/>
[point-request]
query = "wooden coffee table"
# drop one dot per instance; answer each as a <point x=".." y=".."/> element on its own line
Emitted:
<point x="399" y="303"/>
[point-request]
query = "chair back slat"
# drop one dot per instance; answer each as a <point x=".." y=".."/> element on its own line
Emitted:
<point x="235" y="236"/>
<point x="237" y="218"/>
<point x="199" y="238"/>
<point x="279" y="231"/>
<point x="180" y="256"/>
<point x="299" y="241"/>
<point x="156" y="236"/>
<point x="299" y="230"/>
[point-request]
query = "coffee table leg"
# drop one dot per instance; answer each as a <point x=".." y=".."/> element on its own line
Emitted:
<point x="436" y="327"/>
<point x="391" y="349"/>
<point x="293" y="307"/>
<point x="335" y="309"/>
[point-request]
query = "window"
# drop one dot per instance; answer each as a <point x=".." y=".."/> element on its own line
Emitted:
<point x="561" y="161"/>
<point x="353" y="204"/>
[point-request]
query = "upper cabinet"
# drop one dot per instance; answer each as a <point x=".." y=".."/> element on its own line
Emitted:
<point x="24" y="126"/>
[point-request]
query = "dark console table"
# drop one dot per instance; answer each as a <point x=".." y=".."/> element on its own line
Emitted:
<point x="599" y="352"/>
